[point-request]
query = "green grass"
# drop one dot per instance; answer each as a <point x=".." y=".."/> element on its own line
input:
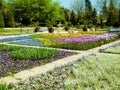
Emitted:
<point x="34" y="53"/>
<point x="9" y="48"/>
<point x="3" y="86"/>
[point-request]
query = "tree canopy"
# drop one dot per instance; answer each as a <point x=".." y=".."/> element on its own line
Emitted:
<point x="48" y="13"/>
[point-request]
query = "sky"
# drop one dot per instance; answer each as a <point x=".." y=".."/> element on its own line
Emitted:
<point x="66" y="3"/>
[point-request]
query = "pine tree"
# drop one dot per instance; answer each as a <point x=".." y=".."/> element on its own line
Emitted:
<point x="73" y="18"/>
<point x="94" y="17"/>
<point x="1" y="21"/>
<point x="88" y="11"/>
<point x="111" y="12"/>
<point x="79" y="17"/>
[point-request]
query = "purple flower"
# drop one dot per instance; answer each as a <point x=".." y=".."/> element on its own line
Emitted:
<point x="89" y="39"/>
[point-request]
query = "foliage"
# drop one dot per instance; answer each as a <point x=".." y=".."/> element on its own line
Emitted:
<point x="1" y="21"/>
<point x="34" y="54"/>
<point x="49" y="13"/>
<point x="9" y="19"/>
<point x="9" y="48"/>
<point x="111" y="14"/>
<point x="3" y="86"/>
<point x="73" y="18"/>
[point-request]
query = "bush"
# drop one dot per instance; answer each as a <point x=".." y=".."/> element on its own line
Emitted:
<point x="1" y="21"/>
<point x="34" y="53"/>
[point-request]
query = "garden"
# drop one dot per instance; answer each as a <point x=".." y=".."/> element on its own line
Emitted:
<point x="48" y="45"/>
<point x="75" y="41"/>
<point x="16" y="54"/>
<point x="89" y="72"/>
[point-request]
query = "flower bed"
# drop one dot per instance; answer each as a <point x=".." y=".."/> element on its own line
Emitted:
<point x="28" y="42"/>
<point x="50" y="40"/>
<point x="81" y="43"/>
<point x="14" y="32"/>
<point x="90" y="39"/>
<point x="13" y="60"/>
<point x="92" y="73"/>
<point x="13" y="38"/>
<point x="115" y="49"/>
<point x="79" y="46"/>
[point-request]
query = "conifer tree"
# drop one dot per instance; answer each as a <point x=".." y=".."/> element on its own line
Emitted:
<point x="73" y="18"/>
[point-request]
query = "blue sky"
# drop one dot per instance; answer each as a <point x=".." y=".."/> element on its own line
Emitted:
<point x="66" y="3"/>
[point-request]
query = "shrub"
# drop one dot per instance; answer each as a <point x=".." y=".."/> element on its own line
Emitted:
<point x="34" y="53"/>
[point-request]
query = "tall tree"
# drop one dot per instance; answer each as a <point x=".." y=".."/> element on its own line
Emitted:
<point x="88" y="6"/>
<point x="111" y="13"/>
<point x="73" y="18"/>
<point x="94" y="17"/>
<point x="66" y="14"/>
<point x="1" y="4"/>
<point x="88" y="12"/>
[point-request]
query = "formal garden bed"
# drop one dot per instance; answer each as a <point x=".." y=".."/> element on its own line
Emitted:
<point x="91" y="72"/>
<point x="72" y="76"/>
<point x="113" y="49"/>
<point x="15" y="58"/>
<point x="80" y="42"/>
<point x="14" y="32"/>
<point x="65" y="41"/>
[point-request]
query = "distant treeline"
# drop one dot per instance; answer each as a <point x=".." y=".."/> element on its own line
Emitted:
<point x="14" y="13"/>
